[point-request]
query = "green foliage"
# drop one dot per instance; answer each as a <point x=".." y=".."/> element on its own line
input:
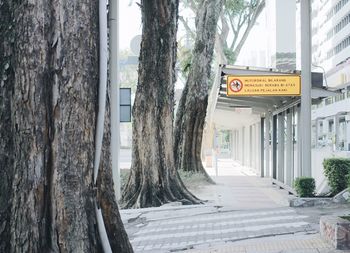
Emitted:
<point x="305" y="186"/>
<point x="230" y="55"/>
<point x="124" y="176"/>
<point x="345" y="217"/>
<point x="185" y="59"/>
<point x="128" y="73"/>
<point x="337" y="170"/>
<point x="234" y="7"/>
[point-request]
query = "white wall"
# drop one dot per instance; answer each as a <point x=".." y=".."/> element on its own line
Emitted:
<point x="317" y="156"/>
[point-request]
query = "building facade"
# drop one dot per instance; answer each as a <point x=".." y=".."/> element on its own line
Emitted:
<point x="279" y="155"/>
<point x="331" y="54"/>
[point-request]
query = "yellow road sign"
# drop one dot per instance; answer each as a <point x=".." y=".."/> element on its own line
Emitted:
<point x="269" y="85"/>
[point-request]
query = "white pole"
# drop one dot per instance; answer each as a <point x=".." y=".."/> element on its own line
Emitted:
<point x="101" y="115"/>
<point x="305" y="119"/>
<point x="114" y="78"/>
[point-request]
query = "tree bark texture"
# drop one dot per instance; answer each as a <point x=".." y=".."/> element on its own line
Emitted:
<point x="190" y="117"/>
<point x="48" y="108"/>
<point x="117" y="236"/>
<point x="153" y="179"/>
<point x="6" y="142"/>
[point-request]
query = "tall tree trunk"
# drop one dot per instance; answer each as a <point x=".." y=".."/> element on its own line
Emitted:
<point x="106" y="196"/>
<point x="190" y="117"/>
<point x="6" y="142"/>
<point x="48" y="107"/>
<point x="153" y="179"/>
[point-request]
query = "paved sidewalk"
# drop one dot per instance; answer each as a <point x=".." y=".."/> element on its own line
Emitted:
<point x="281" y="244"/>
<point x="237" y="187"/>
<point x="244" y="213"/>
<point x="196" y="227"/>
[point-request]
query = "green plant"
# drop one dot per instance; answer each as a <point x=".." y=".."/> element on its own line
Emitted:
<point x="305" y="186"/>
<point x="124" y="176"/>
<point x="337" y="170"/>
<point x="345" y="217"/>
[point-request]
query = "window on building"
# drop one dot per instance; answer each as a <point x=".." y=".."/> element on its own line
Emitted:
<point x="328" y="101"/>
<point x="313" y="136"/>
<point x="331" y="131"/>
<point x="342" y="23"/>
<point x="340" y="47"/>
<point x="321" y="141"/>
<point x="330" y="126"/>
<point x="342" y="133"/>
<point x="339" y="97"/>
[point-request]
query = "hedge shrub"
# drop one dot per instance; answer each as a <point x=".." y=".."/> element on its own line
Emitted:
<point x="337" y="170"/>
<point x="305" y="186"/>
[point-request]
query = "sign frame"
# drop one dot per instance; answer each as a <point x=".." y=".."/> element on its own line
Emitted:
<point x="290" y="83"/>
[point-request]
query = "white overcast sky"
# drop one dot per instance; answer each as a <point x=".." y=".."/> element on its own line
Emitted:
<point x="130" y="26"/>
<point x="130" y="23"/>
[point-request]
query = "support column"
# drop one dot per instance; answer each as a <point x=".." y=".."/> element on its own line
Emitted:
<point x="305" y="14"/>
<point x="257" y="147"/>
<point x="239" y="142"/>
<point x="267" y="144"/>
<point x="280" y="147"/>
<point x="232" y="146"/>
<point x="317" y="130"/>
<point x="261" y="145"/>
<point x="215" y="151"/>
<point x="336" y="132"/>
<point x="274" y="147"/>
<point x="254" y="146"/>
<point x="243" y="145"/>
<point x="299" y="143"/>
<point x="250" y="150"/>
<point x="347" y="138"/>
<point x="289" y="149"/>
<point x="236" y="145"/>
<point x="239" y="136"/>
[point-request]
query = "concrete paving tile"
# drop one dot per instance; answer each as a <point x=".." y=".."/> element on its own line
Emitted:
<point x="256" y="214"/>
<point x="301" y="251"/>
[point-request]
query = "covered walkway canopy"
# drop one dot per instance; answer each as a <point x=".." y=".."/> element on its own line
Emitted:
<point x="261" y="104"/>
<point x="266" y="128"/>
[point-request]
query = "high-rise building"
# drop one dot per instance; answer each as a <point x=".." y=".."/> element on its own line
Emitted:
<point x="331" y="55"/>
<point x="330" y="32"/>
<point x="281" y="32"/>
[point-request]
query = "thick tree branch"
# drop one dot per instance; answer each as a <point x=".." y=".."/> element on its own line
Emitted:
<point x="187" y="27"/>
<point x="255" y="16"/>
<point x="220" y="50"/>
<point x="224" y="30"/>
<point x="241" y="22"/>
<point x="193" y="5"/>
